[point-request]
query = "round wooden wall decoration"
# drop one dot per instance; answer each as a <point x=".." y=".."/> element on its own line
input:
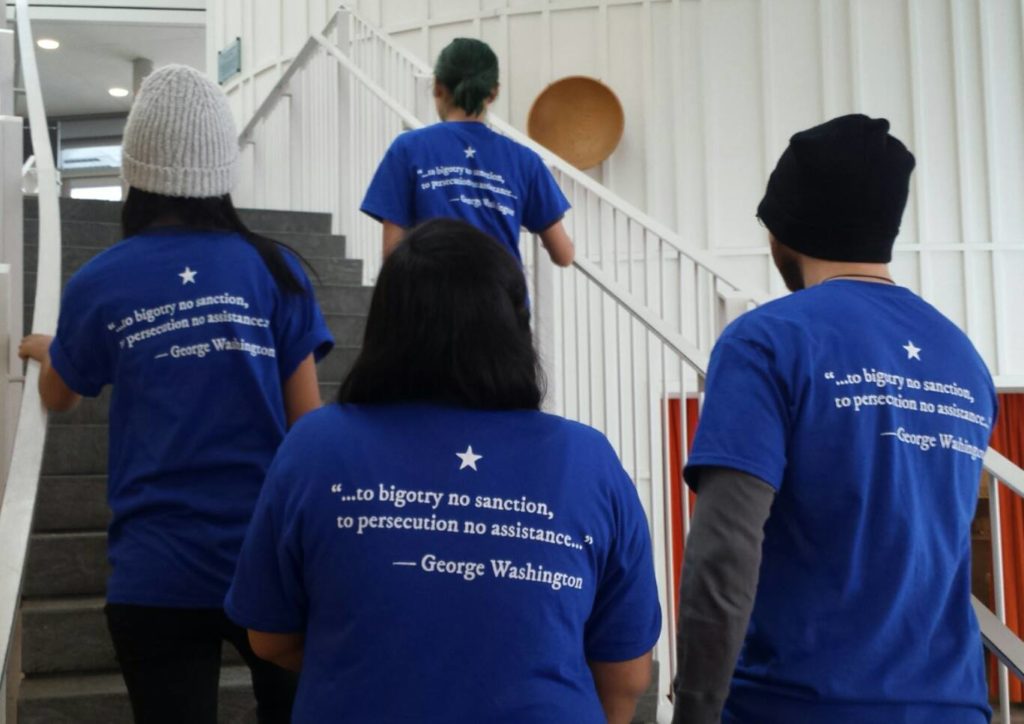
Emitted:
<point x="578" y="118"/>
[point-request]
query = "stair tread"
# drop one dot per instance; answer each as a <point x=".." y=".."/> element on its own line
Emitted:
<point x="110" y="212"/>
<point x="62" y="604"/>
<point x="51" y="535"/>
<point x="67" y="686"/>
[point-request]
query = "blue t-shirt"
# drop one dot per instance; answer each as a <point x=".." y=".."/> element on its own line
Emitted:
<point x="448" y="565"/>
<point x="464" y="170"/>
<point x="197" y="340"/>
<point x="869" y="413"/>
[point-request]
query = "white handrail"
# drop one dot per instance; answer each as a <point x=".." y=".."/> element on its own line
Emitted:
<point x="408" y="119"/>
<point x="279" y="90"/>
<point x="1010" y="475"/>
<point x="19" y="498"/>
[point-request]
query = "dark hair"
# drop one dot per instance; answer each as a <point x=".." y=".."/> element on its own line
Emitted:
<point x="449" y="323"/>
<point x="469" y="69"/>
<point x="142" y="208"/>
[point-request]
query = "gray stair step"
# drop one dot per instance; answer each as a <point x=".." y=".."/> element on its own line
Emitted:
<point x="65" y="635"/>
<point x="98" y="236"/>
<point x="71" y="503"/>
<point x="102" y="699"/>
<point x="329" y="392"/>
<point x="90" y="411"/>
<point x="336" y="299"/>
<point x="269" y="221"/>
<point x="75" y="450"/>
<point x="348" y="329"/>
<point x="336" y="272"/>
<point x="256" y="219"/>
<point x="66" y="564"/>
<point x="335" y="367"/>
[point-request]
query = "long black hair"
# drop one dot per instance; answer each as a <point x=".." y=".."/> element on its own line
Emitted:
<point x="449" y="323"/>
<point x="142" y="208"/>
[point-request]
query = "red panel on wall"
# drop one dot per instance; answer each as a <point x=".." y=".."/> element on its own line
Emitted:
<point x="676" y="464"/>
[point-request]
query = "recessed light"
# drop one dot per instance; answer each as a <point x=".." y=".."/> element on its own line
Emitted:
<point x="119" y="92"/>
<point x="48" y="43"/>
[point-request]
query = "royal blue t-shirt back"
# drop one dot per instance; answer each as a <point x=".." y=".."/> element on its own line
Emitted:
<point x="869" y="412"/>
<point x="448" y="565"/>
<point x="464" y="170"/>
<point x="197" y="340"/>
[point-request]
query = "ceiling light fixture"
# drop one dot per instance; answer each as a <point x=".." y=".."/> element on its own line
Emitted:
<point x="48" y="43"/>
<point x="119" y="92"/>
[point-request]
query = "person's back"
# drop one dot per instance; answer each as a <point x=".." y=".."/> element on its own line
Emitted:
<point x="461" y="169"/>
<point x="195" y="336"/>
<point x="452" y="560"/>
<point x="464" y="170"/>
<point x="434" y="548"/>
<point x="208" y="334"/>
<point x="864" y="592"/>
<point x="837" y="463"/>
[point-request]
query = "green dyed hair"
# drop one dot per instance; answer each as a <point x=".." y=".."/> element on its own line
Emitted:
<point x="469" y="69"/>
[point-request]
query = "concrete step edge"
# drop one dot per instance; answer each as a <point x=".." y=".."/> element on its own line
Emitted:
<point x="60" y="476"/>
<point x="70" y="686"/>
<point x="62" y="604"/>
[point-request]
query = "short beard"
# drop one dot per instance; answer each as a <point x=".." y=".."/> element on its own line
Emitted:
<point x="788" y="264"/>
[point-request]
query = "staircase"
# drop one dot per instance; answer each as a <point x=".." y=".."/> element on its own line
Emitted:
<point x="70" y="674"/>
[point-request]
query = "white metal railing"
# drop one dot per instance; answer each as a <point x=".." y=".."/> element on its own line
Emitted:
<point x="1001" y="641"/>
<point x="624" y="332"/>
<point x="19" y="494"/>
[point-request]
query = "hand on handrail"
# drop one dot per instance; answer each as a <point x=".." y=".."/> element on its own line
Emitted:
<point x="53" y="390"/>
<point x="35" y="347"/>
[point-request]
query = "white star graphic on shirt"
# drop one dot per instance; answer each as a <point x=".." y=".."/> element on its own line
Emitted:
<point x="913" y="352"/>
<point x="188" y="276"/>
<point x="470" y="152"/>
<point x="468" y="458"/>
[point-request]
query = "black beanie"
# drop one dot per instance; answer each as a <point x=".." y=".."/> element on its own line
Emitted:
<point x="839" y="190"/>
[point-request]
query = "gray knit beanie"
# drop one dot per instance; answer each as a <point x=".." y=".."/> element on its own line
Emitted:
<point x="180" y="139"/>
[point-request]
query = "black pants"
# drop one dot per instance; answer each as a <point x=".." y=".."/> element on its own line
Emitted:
<point x="170" y="659"/>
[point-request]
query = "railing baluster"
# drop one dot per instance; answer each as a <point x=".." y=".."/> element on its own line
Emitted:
<point x="999" y="591"/>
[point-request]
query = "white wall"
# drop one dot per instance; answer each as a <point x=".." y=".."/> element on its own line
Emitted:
<point x="712" y="90"/>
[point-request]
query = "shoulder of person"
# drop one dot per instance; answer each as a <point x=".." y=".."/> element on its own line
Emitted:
<point x="98" y="273"/>
<point x="587" y="444"/>
<point x="414" y="135"/>
<point x="525" y="152"/>
<point x="325" y="422"/>
<point x="573" y="429"/>
<point x="311" y="443"/>
<point x="770" y="323"/>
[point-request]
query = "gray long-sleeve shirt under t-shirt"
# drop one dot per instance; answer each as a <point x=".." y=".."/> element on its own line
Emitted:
<point x="719" y="582"/>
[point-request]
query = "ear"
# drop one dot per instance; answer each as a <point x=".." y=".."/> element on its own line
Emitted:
<point x="439" y="89"/>
<point x="494" y="95"/>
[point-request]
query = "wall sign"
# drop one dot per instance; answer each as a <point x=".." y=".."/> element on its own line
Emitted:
<point x="229" y="61"/>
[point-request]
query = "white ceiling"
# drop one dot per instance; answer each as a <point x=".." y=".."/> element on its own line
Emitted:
<point x="95" y="55"/>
